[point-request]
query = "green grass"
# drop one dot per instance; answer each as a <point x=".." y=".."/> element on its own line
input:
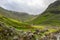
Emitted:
<point x="39" y="27"/>
<point x="15" y="23"/>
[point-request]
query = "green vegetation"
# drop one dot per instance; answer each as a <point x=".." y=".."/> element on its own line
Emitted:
<point x="15" y="23"/>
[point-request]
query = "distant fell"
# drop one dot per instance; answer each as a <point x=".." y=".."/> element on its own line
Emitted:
<point x="21" y="16"/>
<point x="50" y="17"/>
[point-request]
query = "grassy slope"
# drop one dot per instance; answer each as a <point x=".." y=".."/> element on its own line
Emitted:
<point x="51" y="16"/>
<point x="15" y="23"/>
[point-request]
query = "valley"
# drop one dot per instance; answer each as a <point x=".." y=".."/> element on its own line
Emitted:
<point x="22" y="26"/>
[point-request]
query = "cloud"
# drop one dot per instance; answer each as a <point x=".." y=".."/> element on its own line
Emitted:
<point x="29" y="6"/>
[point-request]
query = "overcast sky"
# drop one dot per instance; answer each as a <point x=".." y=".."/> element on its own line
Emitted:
<point x="29" y="6"/>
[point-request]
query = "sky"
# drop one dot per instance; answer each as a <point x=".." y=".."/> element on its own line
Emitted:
<point x="29" y="6"/>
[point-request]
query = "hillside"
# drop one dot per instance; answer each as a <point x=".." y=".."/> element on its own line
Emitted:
<point x="50" y="17"/>
<point x="14" y="23"/>
<point x="21" y="16"/>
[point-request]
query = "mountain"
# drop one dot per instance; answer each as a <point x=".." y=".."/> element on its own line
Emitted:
<point x="21" y="16"/>
<point x="50" y="17"/>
